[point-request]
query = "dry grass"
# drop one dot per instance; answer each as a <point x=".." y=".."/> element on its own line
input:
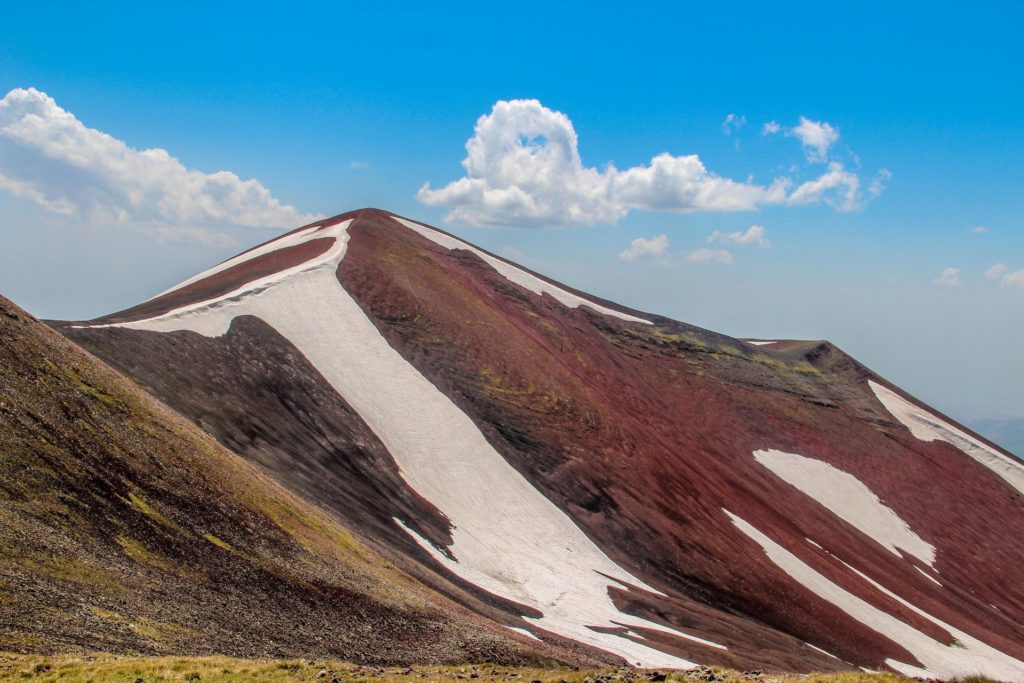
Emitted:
<point x="103" y="668"/>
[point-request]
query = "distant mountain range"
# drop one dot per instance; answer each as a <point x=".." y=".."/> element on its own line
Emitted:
<point x="545" y="474"/>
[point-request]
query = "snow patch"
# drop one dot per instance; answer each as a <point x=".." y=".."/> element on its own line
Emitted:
<point x="507" y="537"/>
<point x="761" y="342"/>
<point x="517" y="275"/>
<point x="523" y="631"/>
<point x="970" y="657"/>
<point x="849" y="499"/>
<point x="928" y="427"/>
<point x="824" y="652"/>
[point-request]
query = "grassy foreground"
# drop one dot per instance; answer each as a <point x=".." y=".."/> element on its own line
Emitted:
<point x="102" y="668"/>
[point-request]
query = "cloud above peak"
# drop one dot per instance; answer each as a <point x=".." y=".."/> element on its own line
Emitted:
<point x="523" y="167"/>
<point x="645" y="247"/>
<point x="949" y="277"/>
<point x="753" y="237"/>
<point x="996" y="271"/>
<point x="51" y="158"/>
<point x="1006" y="277"/>
<point x="816" y="137"/>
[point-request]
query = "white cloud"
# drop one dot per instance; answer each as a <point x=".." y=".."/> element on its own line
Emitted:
<point x="1006" y="278"/>
<point x="816" y="137"/>
<point x="645" y="247"/>
<point x="995" y="271"/>
<point x="771" y="128"/>
<point x="754" y="236"/>
<point x="1016" y="278"/>
<point x="950" y="277"/>
<point x="837" y="187"/>
<point x="733" y="123"/>
<point x="709" y="255"/>
<point x="48" y="156"/>
<point x="979" y="230"/>
<point x="359" y="164"/>
<point x="877" y="185"/>
<point x="523" y="167"/>
<point x="672" y="183"/>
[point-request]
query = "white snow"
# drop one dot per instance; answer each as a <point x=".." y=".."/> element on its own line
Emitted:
<point x="970" y="657"/>
<point x="928" y="427"/>
<point x="824" y="652"/>
<point x="522" y="631"/>
<point x="761" y="342"/>
<point x="507" y="537"/>
<point x="849" y="499"/>
<point x="517" y="275"/>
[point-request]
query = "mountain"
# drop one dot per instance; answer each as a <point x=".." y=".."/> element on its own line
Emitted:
<point x="589" y="473"/>
<point x="125" y="528"/>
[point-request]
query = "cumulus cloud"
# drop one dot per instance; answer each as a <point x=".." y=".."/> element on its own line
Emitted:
<point x="733" y="123"/>
<point x="645" y="247"/>
<point x="950" y="277"/>
<point x="50" y="157"/>
<point x="816" y="137"/>
<point x="994" y="272"/>
<point x="523" y="167"/>
<point x="1001" y="272"/>
<point x="837" y="187"/>
<point x="771" y="128"/>
<point x="709" y="256"/>
<point x="1016" y="279"/>
<point x="753" y="237"/>
<point x="979" y="230"/>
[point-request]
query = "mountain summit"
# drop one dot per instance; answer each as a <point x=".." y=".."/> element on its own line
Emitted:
<point x="593" y="476"/>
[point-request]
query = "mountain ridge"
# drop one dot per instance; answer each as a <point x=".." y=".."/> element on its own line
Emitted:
<point x="511" y="377"/>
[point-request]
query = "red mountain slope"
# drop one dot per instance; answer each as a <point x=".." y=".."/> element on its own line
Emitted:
<point x="638" y="485"/>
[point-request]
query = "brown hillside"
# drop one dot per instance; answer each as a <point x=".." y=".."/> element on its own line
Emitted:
<point x="124" y="528"/>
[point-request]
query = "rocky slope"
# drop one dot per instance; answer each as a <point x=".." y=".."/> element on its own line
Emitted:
<point x="124" y="528"/>
<point x="594" y="474"/>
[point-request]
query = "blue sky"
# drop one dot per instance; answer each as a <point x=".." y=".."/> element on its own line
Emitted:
<point x="332" y="107"/>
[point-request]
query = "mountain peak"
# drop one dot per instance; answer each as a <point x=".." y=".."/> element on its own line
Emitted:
<point x="593" y="474"/>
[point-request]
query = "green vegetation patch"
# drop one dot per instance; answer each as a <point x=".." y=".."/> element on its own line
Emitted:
<point x="143" y="555"/>
<point x="219" y="543"/>
<point x="133" y="500"/>
<point x="83" y="386"/>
